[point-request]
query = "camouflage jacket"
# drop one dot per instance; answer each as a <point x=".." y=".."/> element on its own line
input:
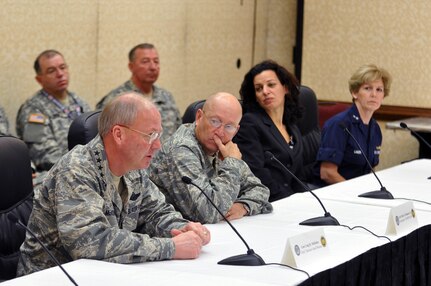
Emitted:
<point x="78" y="213"/>
<point x="163" y="99"/>
<point x="4" y="123"/>
<point x="43" y="126"/>
<point x="229" y="181"/>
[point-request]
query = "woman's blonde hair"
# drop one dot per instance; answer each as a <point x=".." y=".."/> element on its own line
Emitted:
<point x="369" y="73"/>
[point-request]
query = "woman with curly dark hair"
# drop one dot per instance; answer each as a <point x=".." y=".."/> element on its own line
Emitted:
<point x="270" y="105"/>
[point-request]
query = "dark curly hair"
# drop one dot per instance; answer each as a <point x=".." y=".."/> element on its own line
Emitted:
<point x="248" y="95"/>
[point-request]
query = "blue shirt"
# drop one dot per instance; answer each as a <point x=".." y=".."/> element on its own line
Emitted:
<point x="338" y="147"/>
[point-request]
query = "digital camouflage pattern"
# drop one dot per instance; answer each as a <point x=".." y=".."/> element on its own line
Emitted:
<point x="44" y="126"/>
<point x="4" y="123"/>
<point x="163" y="99"/>
<point x="229" y="181"/>
<point x="78" y="213"/>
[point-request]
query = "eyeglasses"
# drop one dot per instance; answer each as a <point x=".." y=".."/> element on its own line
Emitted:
<point x="216" y="123"/>
<point x="153" y="136"/>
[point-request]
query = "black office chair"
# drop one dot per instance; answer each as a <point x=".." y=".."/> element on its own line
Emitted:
<point x="16" y="194"/>
<point x="310" y="130"/>
<point x="83" y="129"/>
<point x="190" y="113"/>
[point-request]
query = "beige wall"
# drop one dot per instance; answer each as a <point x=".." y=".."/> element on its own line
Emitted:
<point x="275" y="31"/>
<point x="199" y="42"/>
<point x="29" y="27"/>
<point x="340" y="35"/>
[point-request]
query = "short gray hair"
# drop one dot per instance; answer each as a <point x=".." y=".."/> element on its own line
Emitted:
<point x="144" y="46"/>
<point x="122" y="110"/>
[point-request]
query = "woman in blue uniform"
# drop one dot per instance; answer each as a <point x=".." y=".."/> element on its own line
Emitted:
<point x="339" y="158"/>
<point x="270" y="106"/>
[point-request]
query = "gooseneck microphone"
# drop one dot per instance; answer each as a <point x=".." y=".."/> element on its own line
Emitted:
<point x="18" y="222"/>
<point x="327" y="219"/>
<point x="249" y="259"/>
<point x="379" y="194"/>
<point x="404" y="126"/>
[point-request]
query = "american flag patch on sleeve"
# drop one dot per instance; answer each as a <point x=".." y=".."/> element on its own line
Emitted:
<point x="36" y="118"/>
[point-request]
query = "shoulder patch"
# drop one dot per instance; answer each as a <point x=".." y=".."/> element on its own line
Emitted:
<point x="36" y="118"/>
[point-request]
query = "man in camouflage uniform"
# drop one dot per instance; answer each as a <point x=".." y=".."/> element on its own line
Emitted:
<point x="144" y="64"/>
<point x="98" y="203"/>
<point x="204" y="152"/>
<point x="4" y="123"/>
<point x="43" y="120"/>
<point x="4" y="130"/>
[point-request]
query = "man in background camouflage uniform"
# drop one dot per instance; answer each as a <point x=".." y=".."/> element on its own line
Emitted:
<point x="144" y="64"/>
<point x="204" y="152"/>
<point x="98" y="203"/>
<point x="43" y="120"/>
<point x="4" y="130"/>
<point x="4" y="123"/>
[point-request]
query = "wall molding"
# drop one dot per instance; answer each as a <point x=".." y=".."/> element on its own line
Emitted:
<point x="392" y="112"/>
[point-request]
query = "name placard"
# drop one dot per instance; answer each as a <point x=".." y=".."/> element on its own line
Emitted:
<point x="305" y="248"/>
<point x="402" y="218"/>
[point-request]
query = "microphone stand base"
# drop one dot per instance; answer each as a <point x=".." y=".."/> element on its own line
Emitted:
<point x="249" y="259"/>
<point x="381" y="194"/>
<point x="321" y="220"/>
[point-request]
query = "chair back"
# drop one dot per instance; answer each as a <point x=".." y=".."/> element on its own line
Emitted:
<point x="83" y="129"/>
<point x="190" y="113"/>
<point x="308" y="101"/>
<point x="309" y="127"/>
<point x="16" y="193"/>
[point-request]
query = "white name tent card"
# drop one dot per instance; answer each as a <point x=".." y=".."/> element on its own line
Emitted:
<point x="305" y="248"/>
<point x="402" y="218"/>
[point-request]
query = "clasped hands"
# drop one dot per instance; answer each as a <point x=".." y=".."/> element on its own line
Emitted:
<point x="189" y="240"/>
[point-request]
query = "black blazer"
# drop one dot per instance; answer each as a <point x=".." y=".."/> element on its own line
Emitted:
<point x="257" y="134"/>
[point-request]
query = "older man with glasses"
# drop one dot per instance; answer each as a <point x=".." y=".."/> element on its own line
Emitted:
<point x="97" y="202"/>
<point x="204" y="152"/>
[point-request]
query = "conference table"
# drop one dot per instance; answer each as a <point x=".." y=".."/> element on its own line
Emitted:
<point x="353" y="257"/>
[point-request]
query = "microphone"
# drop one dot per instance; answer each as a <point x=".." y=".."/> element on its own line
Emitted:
<point x="327" y="219"/>
<point x="249" y="259"/>
<point x="12" y="217"/>
<point x="379" y="194"/>
<point x="404" y="126"/>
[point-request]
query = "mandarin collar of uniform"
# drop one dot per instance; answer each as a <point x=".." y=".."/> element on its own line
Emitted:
<point x="192" y="127"/>
<point x="155" y="97"/>
<point x="132" y="86"/>
<point x="354" y="115"/>
<point x="98" y="152"/>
